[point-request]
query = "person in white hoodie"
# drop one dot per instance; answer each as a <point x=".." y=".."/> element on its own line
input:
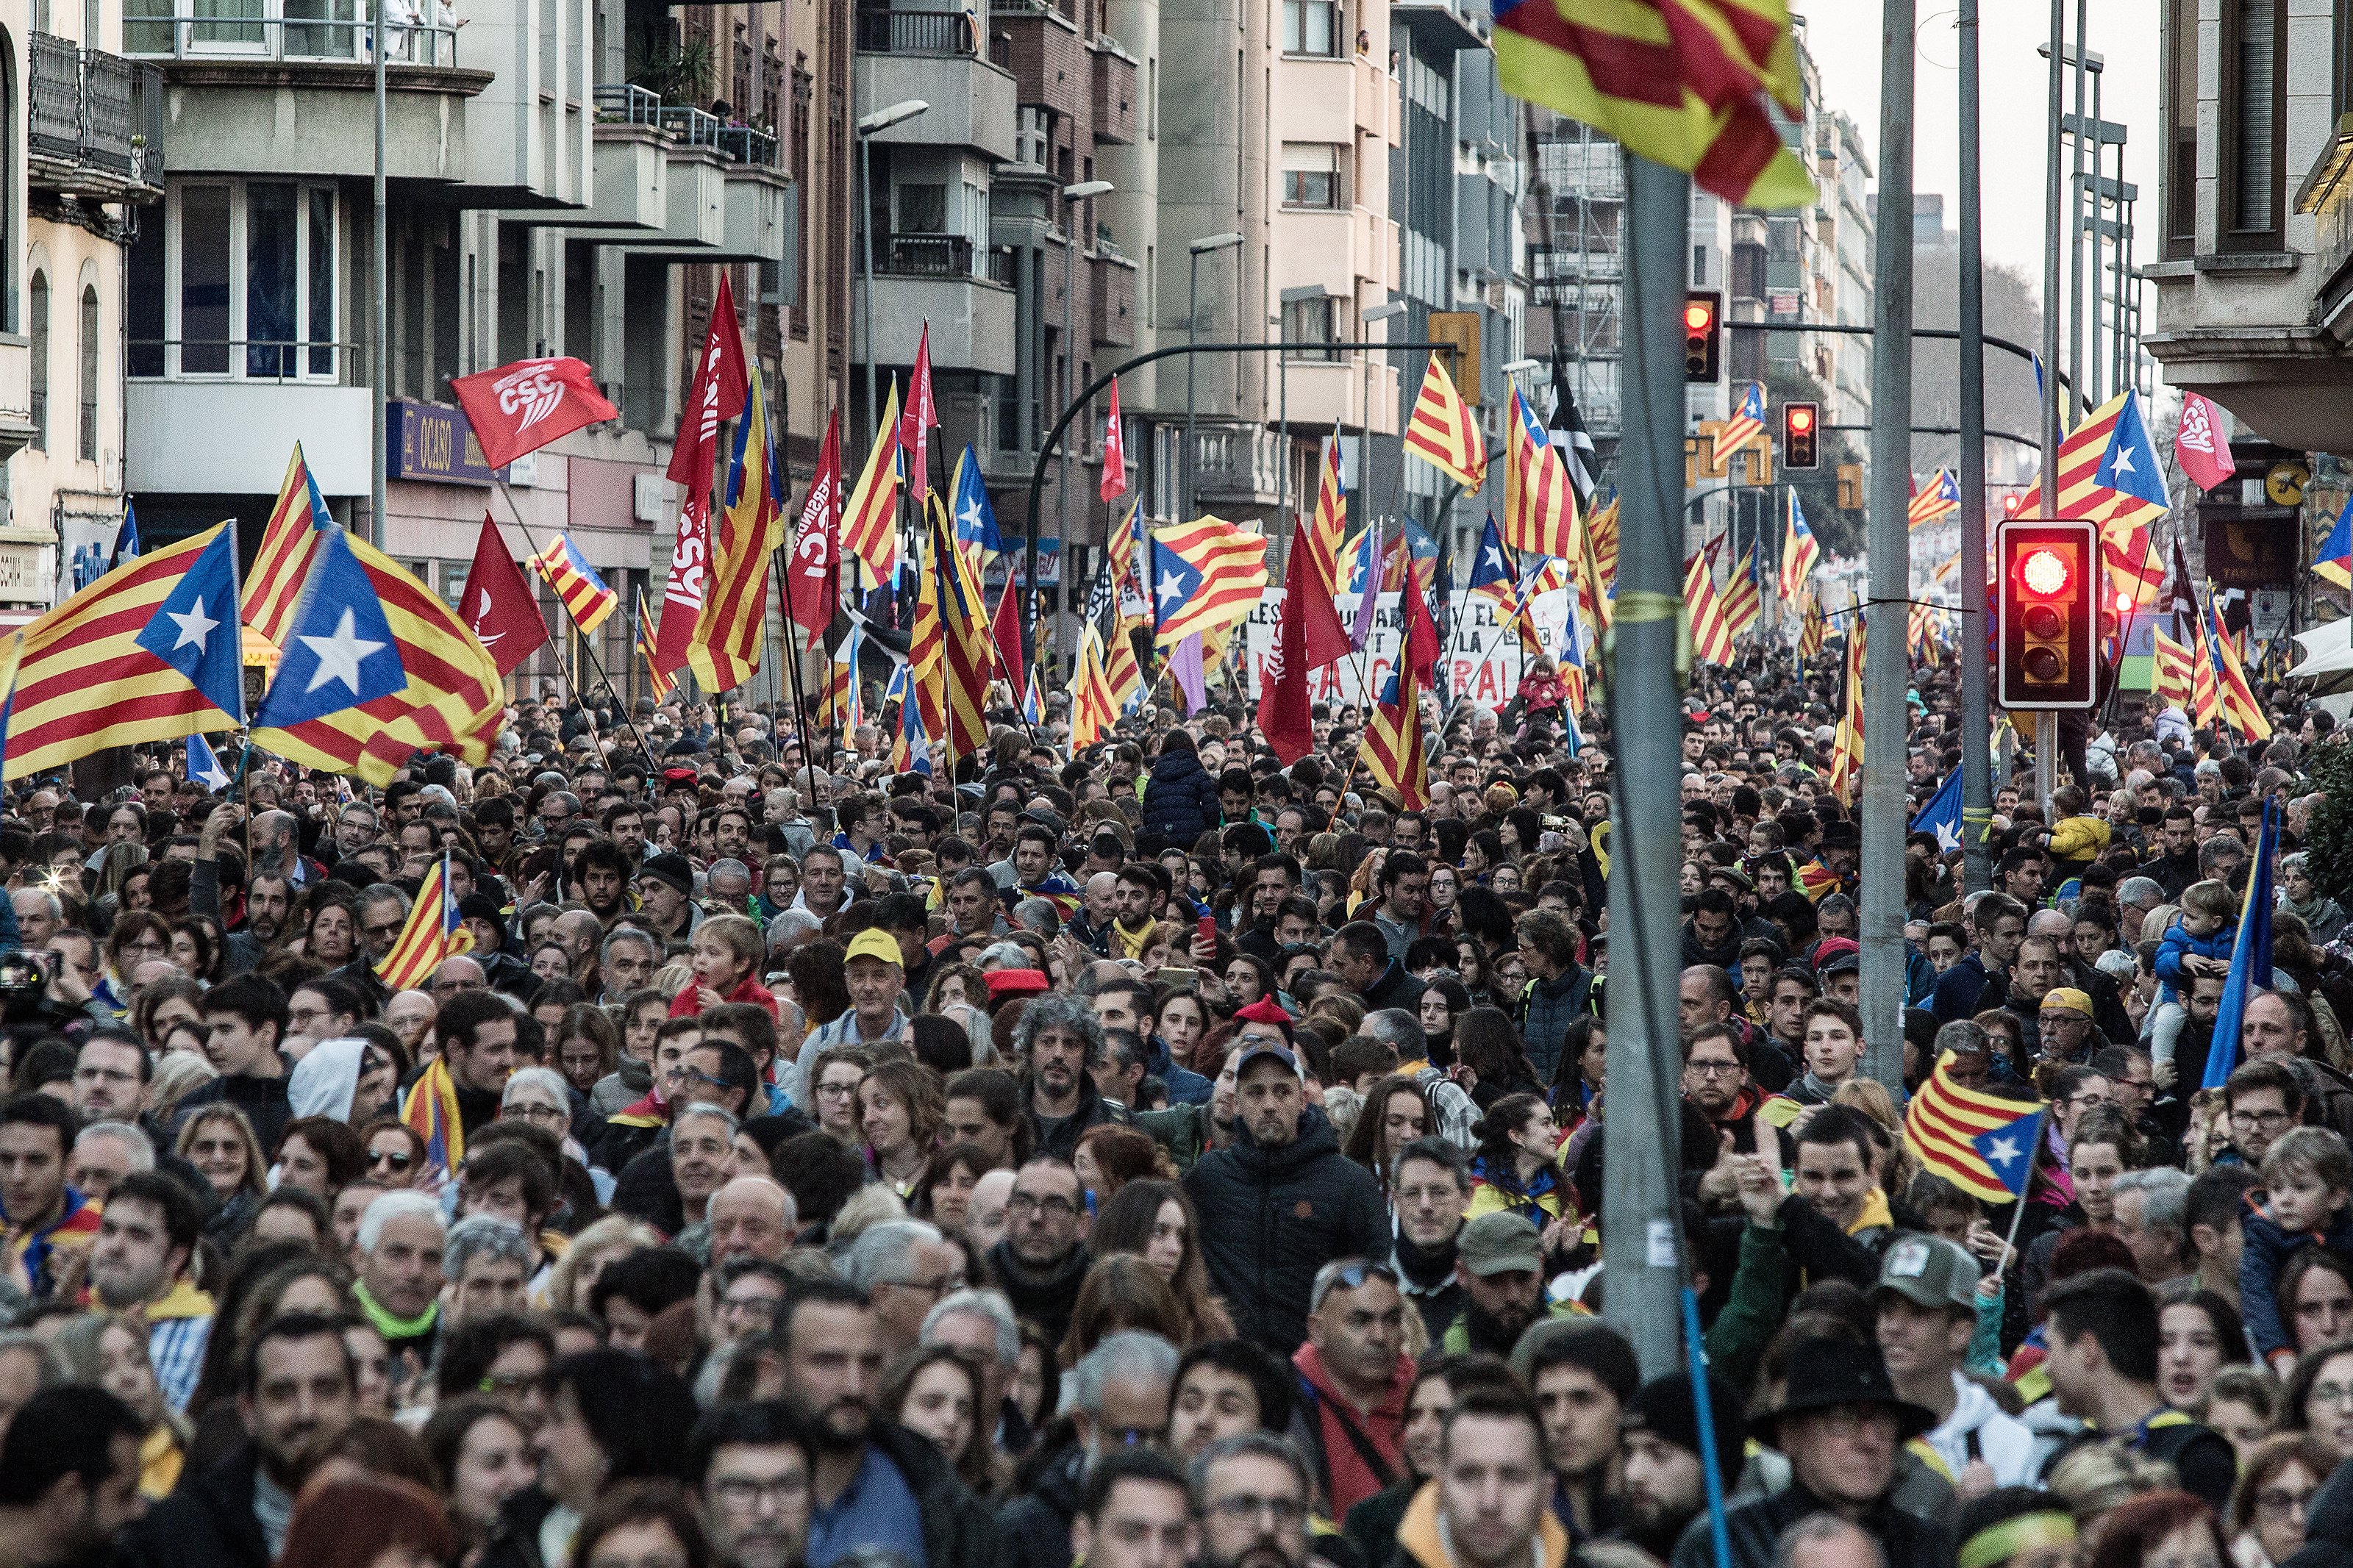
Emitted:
<point x="1926" y="1305"/>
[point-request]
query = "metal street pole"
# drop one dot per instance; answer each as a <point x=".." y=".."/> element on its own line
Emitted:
<point x="2075" y="209"/>
<point x="2094" y="375"/>
<point x="1977" y="714"/>
<point x="868" y="129"/>
<point x="1071" y="196"/>
<point x="1643" y="1138"/>
<point x="378" y="369"/>
<point x="1365" y="446"/>
<point x="1886" y="656"/>
<point x="1199" y="248"/>
<point x="2046" y="728"/>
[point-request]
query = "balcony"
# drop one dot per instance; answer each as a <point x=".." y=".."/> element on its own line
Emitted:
<point x="1112" y="290"/>
<point x="96" y="122"/>
<point x="934" y="56"/>
<point x="1236" y="465"/>
<point x="1446" y="24"/>
<point x="929" y="278"/>
<point x="1114" y="94"/>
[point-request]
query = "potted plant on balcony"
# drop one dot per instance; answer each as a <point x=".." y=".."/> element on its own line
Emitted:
<point x="678" y="71"/>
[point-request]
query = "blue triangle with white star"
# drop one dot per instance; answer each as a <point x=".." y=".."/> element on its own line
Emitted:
<point x="2009" y="1150"/>
<point x="2131" y="463"/>
<point x="1174" y="580"/>
<point x="196" y="628"/>
<point x="340" y="652"/>
<point x="204" y="766"/>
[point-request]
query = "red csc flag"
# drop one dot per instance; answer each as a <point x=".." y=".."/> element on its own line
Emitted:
<point x="1114" y="472"/>
<point x="500" y="606"/>
<point x="2199" y="443"/>
<point x="717" y="393"/>
<point x="521" y="408"/>
<point x="1283" y="715"/>
<point x="813" y="583"/>
<point x="683" y="589"/>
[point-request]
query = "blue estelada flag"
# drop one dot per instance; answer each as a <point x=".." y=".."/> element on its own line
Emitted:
<point x="2129" y="464"/>
<point x="203" y="767"/>
<point x="1942" y="814"/>
<point x="2335" y="562"/>
<point x="976" y="519"/>
<point x="340" y="650"/>
<point x="1494" y="574"/>
<point x="2251" y="955"/>
<point x="126" y="538"/>
<point x="1033" y="707"/>
<point x="2009" y="1151"/>
<point x="204" y="600"/>
<point x="911" y="748"/>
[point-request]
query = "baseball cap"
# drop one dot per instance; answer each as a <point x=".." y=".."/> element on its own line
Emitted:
<point x="1260" y="1052"/>
<point x="875" y="942"/>
<point x="1500" y="1242"/>
<point x="1929" y="1271"/>
<point x="2068" y="999"/>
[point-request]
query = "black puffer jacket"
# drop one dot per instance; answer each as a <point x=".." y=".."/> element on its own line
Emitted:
<point x="208" y="1524"/>
<point x="1180" y="802"/>
<point x="1755" y="1528"/>
<point x="1283" y="1214"/>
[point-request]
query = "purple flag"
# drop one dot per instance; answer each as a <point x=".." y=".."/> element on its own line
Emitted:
<point x="1369" y="573"/>
<point x="1186" y="664"/>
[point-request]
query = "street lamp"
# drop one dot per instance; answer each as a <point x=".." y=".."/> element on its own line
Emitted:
<point x="870" y="127"/>
<point x="1395" y="308"/>
<point x="1085" y="190"/>
<point x="1200" y="247"/>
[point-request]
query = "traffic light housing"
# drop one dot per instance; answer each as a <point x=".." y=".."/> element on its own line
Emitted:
<point x="1703" y="336"/>
<point x="1801" y="428"/>
<point x="2047" y="614"/>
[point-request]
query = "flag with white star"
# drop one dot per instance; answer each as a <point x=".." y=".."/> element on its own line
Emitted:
<point x="1942" y="814"/>
<point x="1983" y="1144"/>
<point x="339" y="651"/>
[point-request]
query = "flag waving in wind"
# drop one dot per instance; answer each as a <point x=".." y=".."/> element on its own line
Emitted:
<point x="1799" y="553"/>
<point x="1982" y="1143"/>
<point x="433" y="933"/>
<point x="1942" y="814"/>
<point x="2335" y="562"/>
<point x="1441" y="431"/>
<point x="2251" y="955"/>
<point x="203" y="767"/>
<point x="518" y="408"/>
<point x="1746" y="424"/>
<point x="575" y="581"/>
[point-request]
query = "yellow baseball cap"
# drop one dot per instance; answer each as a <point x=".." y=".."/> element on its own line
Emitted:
<point x="875" y="942"/>
<point x="2062" y="996"/>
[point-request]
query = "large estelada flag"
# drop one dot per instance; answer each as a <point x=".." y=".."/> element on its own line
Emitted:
<point x="1539" y="508"/>
<point x="1703" y="85"/>
<point x="1982" y="1143"/>
<point x="289" y="539"/>
<point x="1205" y="575"/>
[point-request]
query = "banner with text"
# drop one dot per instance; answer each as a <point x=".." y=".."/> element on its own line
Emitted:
<point x="1480" y="660"/>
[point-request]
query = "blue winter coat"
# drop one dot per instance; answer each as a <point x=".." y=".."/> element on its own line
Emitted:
<point x="1180" y="800"/>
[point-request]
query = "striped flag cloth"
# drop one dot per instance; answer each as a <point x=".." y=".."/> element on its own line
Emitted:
<point x="1940" y="499"/>
<point x="1846" y="747"/>
<point x="1921" y="633"/>
<point x="730" y="633"/>
<point x="1394" y="751"/>
<point x="1711" y="637"/>
<point x="1746" y="424"/>
<point x="910" y="745"/>
<point x="1741" y="604"/>
<point x="1693" y="84"/>
<point x="431" y="1109"/>
<point x="1121" y="675"/>
<point x="1539" y="508"/>
<point x="1328" y="640"/>
<point x="967" y="652"/>
<point x="661" y="685"/>
<point x="575" y="582"/>
<point x="2172" y="674"/>
<point x="2109" y="473"/>
<point x="433" y="933"/>
<point x="1441" y="431"/>
<point x="2205" y="686"/>
<point x="1207" y="575"/>
<point x="1093" y="710"/>
<point x="1980" y="1143"/>
<point x="287" y="542"/>
<point x="839" y="707"/>
<point x="1601" y="530"/>
<point x="870" y="522"/>
<point x="2335" y="562"/>
<point x="1812" y="629"/>
<point x="1799" y="553"/>
<point x="2240" y="705"/>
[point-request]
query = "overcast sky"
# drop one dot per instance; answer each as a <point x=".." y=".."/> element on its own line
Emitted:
<point x="2012" y="105"/>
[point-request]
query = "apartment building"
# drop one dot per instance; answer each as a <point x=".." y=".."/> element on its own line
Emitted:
<point x="1843" y="223"/>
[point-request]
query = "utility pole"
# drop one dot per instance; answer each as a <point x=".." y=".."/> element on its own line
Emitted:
<point x="1887" y="655"/>
<point x="2075" y="211"/>
<point x="2046" y="725"/>
<point x="1977" y="714"/>
<point x="1643" y="1141"/>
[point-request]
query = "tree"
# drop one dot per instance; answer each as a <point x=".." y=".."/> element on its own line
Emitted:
<point x="2011" y="403"/>
<point x="1836" y="527"/>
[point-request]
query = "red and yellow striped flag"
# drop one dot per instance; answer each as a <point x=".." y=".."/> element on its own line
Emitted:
<point x="868" y="523"/>
<point x="1601" y="530"/>
<point x="1441" y="431"/>
<point x="1711" y="637"/>
<point x="2240" y="705"/>
<point x="1681" y="83"/>
<point x="2172" y="672"/>
<point x="1394" y="751"/>
<point x="1121" y="674"/>
<point x="1811" y="630"/>
<point x="1539" y="506"/>
<point x="1741" y="604"/>
<point x="1846" y="748"/>
<point x="731" y="632"/>
<point x="433" y="933"/>
<point x="565" y="569"/>
<point x="967" y="654"/>
<point x="659" y="684"/>
<point x="2205" y="686"/>
<point x="289" y="540"/>
<point x="1092" y="711"/>
<point x="1326" y="640"/>
<point x="1951" y="1128"/>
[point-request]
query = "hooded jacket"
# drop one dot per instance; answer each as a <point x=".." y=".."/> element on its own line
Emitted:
<point x="1421" y="1539"/>
<point x="1180" y="801"/>
<point x="1978" y="1429"/>
<point x="1283" y="1214"/>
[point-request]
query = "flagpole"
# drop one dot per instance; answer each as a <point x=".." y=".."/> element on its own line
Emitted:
<point x="2025" y="1189"/>
<point x="588" y="643"/>
<point x="791" y="653"/>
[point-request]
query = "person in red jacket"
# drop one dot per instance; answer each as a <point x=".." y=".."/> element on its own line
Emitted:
<point x="1354" y="1374"/>
<point x="725" y="950"/>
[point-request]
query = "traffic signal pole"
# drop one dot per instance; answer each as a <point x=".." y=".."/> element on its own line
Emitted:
<point x="2046" y="726"/>
<point x="1977" y="714"/>
<point x="1887" y="655"/>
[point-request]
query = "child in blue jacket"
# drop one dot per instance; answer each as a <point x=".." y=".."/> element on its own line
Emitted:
<point x="2307" y="1180"/>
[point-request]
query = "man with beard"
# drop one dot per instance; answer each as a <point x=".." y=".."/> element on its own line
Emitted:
<point x="1251" y="1493"/>
<point x="1429" y="1191"/>
<point x="1119" y="1404"/>
<point x="1039" y="1262"/>
<point x="1061" y="1039"/>
<point x="1486" y="1506"/>
<point x="873" y="1483"/>
<point x="146" y="1240"/>
<point x="751" y="1464"/>
<point x="1665" y="1488"/>
<point x="1136" y="1513"/>
<point x="1499" y="1263"/>
<point x="1581" y="1375"/>
<point x="1353" y="1374"/>
<point x="296" y="1397"/>
<point x="68" y="1477"/>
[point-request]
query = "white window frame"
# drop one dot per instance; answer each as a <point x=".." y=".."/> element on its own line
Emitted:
<point x="304" y="337"/>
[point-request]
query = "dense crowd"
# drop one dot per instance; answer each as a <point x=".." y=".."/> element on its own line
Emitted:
<point x="1157" y="1157"/>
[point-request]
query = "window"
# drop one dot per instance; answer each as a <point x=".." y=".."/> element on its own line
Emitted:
<point x="9" y="117"/>
<point x="226" y="266"/>
<point x="2180" y="115"/>
<point x="1311" y="174"/>
<point x="1699" y="266"/>
<point x="40" y="335"/>
<point x="2253" y="121"/>
<point x="923" y="208"/>
<point x="1311" y="28"/>
<point x="1310" y="324"/>
<point x="86" y="443"/>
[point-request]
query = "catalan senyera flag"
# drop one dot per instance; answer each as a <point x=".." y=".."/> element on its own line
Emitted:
<point x="378" y="668"/>
<point x="1980" y="1143"/>
<point x="868" y="523"/>
<point x="731" y="632"/>
<point x="148" y="652"/>
<point x="926" y="650"/>
<point x="1539" y="506"/>
<point x="1326" y="640"/>
<point x="1121" y="675"/>
<point x="585" y="596"/>
<point x="967" y="654"/>
<point x="1799" y="553"/>
<point x="433" y="933"/>
<point x="2171" y="679"/>
<point x="1205" y="575"/>
<point x="1441" y="431"/>
<point x="1394" y="751"/>
<point x="1920" y="634"/>
<point x="2109" y="473"/>
<point x="1601" y="530"/>
<point x="1746" y="425"/>
<point x="2205" y="685"/>
<point x="1846" y="747"/>
<point x="2240" y="705"/>
<point x="1741" y="604"/>
<point x="1711" y="637"/>
<point x="431" y="1107"/>
<point x="1940" y="497"/>
<point x="1812" y="629"/>
<point x="1687" y="83"/>
<point x="288" y="541"/>
<point x="1092" y="711"/>
<point x="659" y="684"/>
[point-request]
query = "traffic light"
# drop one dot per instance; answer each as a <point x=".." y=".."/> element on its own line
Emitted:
<point x="2012" y="503"/>
<point x="1703" y="336"/>
<point x="1801" y="426"/>
<point x="2046" y="621"/>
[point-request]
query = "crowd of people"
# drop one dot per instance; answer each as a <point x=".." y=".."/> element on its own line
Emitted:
<point x="1156" y="1157"/>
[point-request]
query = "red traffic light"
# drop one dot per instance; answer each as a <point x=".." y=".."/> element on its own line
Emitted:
<point x="1697" y="313"/>
<point x="2048" y="617"/>
<point x="1703" y="337"/>
<point x="1801" y="417"/>
<point x="2045" y="572"/>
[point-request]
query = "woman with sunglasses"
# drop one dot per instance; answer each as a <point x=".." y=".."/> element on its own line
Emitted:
<point x="395" y="1153"/>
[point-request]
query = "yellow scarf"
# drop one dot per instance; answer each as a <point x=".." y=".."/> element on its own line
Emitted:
<point x="1875" y="1212"/>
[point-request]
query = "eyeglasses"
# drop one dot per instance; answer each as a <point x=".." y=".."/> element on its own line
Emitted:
<point x="1054" y="1206"/>
<point x="2278" y="1502"/>
<point x="2329" y="1392"/>
<point x="515" y="1384"/>
<point x="934" y="1288"/>
<point x="1712" y="1069"/>
<point x="549" y="1113"/>
<point x="382" y="928"/>
<point x="2265" y="1119"/>
<point x="696" y="1074"/>
<point x="1286" y="1512"/>
<point x="743" y="1492"/>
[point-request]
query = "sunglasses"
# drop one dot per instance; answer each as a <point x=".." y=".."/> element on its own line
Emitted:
<point x="398" y="1162"/>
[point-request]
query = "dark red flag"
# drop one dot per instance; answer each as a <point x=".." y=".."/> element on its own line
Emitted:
<point x="500" y="605"/>
<point x="521" y="408"/>
<point x="720" y="386"/>
<point x="1115" y="459"/>
<point x="1006" y="628"/>
<point x="1283" y="716"/>
<point x="682" y="590"/>
<point x="812" y="585"/>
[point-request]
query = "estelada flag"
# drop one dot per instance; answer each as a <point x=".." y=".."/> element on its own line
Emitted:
<point x="1982" y="1143"/>
<point x="289" y="542"/>
<point x="433" y="933"/>
<point x="518" y="408"/>
<point x="1114" y="474"/>
<point x="501" y="608"/>
<point x="717" y="393"/>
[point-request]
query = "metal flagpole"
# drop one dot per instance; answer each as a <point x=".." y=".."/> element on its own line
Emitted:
<point x="588" y="643"/>
<point x="1977" y="714"/>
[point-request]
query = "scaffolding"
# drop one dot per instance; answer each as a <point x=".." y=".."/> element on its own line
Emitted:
<point x="1577" y="260"/>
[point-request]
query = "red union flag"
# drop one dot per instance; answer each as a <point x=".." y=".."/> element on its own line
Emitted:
<point x="501" y="608"/>
<point x="718" y="394"/>
<point x="690" y="567"/>
<point x="814" y="581"/>
<point x="1114" y="472"/>
<point x="521" y="408"/>
<point x="2198" y="442"/>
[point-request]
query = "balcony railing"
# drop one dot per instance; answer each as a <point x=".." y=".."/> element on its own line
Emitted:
<point x="926" y="256"/>
<point x="895" y="32"/>
<point x="95" y="110"/>
<point x="316" y="31"/>
<point x="624" y="103"/>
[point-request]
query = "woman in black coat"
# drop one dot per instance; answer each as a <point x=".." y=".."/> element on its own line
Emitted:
<point x="1180" y="799"/>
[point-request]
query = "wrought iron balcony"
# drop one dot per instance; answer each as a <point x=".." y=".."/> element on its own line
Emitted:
<point x="95" y="120"/>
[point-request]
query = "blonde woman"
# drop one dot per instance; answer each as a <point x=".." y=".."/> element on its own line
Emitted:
<point x="110" y="1350"/>
<point x="575" y="1274"/>
<point x="219" y="1143"/>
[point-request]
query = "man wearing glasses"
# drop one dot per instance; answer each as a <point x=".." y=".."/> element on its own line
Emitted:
<point x="751" y="1465"/>
<point x="1252" y="1492"/>
<point x="1119" y="1405"/>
